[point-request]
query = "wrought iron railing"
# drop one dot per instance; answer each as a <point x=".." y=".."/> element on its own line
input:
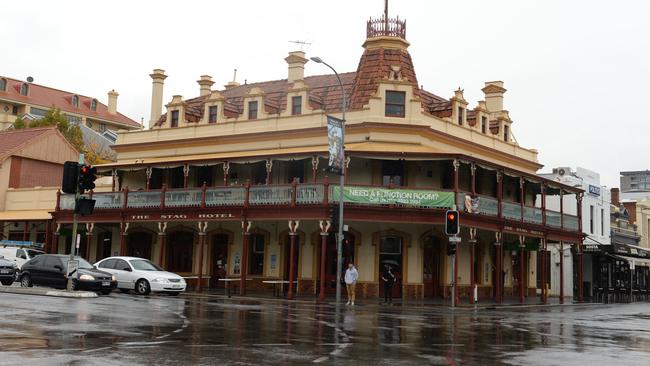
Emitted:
<point x="144" y="199"/>
<point x="270" y="195"/>
<point x="510" y="210"/>
<point x="553" y="218"/>
<point x="534" y="215"/>
<point x="310" y="194"/>
<point x="225" y="196"/>
<point x="570" y="222"/>
<point x="386" y="27"/>
<point x="108" y="200"/>
<point x="183" y="198"/>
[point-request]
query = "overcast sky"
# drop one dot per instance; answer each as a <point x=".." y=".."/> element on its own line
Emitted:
<point x="577" y="72"/>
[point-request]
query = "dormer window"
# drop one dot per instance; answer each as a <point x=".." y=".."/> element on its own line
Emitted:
<point x="212" y="113"/>
<point x="174" y="119"/>
<point x="3" y="84"/>
<point x="75" y="101"/>
<point x="252" y="110"/>
<point x="506" y="133"/>
<point x="461" y="115"/>
<point x="93" y="105"/>
<point x="395" y="104"/>
<point x="296" y="105"/>
<point x="24" y="89"/>
<point x="483" y="124"/>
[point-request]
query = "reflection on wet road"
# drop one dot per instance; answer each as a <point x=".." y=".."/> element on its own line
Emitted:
<point x="161" y="330"/>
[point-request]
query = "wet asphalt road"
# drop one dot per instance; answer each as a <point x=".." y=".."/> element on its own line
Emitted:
<point x="186" y="330"/>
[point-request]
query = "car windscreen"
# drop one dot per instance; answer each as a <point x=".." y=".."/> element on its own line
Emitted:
<point x="144" y="265"/>
<point x="33" y="253"/>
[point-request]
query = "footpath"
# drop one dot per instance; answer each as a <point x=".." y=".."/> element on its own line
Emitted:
<point x="44" y="291"/>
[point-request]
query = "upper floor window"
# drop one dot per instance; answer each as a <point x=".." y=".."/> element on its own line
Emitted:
<point x="392" y="172"/>
<point x="212" y="113"/>
<point x="252" y="110"/>
<point x="93" y="105"/>
<point x="395" y="103"/>
<point x="483" y="124"/>
<point x="296" y="105"/>
<point x="24" y="89"/>
<point x="174" y="121"/>
<point x="14" y="110"/>
<point x="3" y="84"/>
<point x="506" y="133"/>
<point x="75" y="101"/>
<point x="461" y="115"/>
<point x="102" y="127"/>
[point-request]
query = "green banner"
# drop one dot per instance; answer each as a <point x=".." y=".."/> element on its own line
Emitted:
<point x="385" y="196"/>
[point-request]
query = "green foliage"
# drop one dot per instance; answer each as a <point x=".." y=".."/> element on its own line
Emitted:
<point x="54" y="117"/>
<point x="19" y="124"/>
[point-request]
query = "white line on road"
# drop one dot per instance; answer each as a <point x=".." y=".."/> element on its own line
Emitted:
<point x="321" y="359"/>
<point x="271" y="344"/>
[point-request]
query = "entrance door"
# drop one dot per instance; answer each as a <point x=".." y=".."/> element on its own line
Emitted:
<point x="390" y="253"/>
<point x="139" y="245"/>
<point x="287" y="260"/>
<point x="104" y="243"/>
<point x="219" y="260"/>
<point x="330" y="259"/>
<point x="180" y="251"/>
<point x="431" y="267"/>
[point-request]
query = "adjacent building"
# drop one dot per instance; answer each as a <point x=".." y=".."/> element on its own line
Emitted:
<point x="635" y="185"/>
<point x="29" y="101"/>
<point x="232" y="183"/>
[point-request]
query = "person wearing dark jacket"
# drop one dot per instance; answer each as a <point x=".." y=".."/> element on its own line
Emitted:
<point x="388" y="278"/>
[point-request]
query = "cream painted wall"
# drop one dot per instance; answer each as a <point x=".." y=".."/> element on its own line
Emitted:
<point x="38" y="198"/>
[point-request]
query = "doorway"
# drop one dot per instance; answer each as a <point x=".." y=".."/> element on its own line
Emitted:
<point x="347" y="254"/>
<point x="104" y="244"/>
<point x="139" y="245"/>
<point x="180" y="251"/>
<point x="390" y="253"/>
<point x="220" y="243"/>
<point x="431" y="266"/>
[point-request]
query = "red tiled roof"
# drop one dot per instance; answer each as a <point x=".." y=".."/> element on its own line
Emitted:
<point x="12" y="140"/>
<point x="47" y="97"/>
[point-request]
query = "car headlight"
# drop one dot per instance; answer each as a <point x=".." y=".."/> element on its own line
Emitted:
<point x="113" y="278"/>
<point x="85" y="277"/>
<point x="159" y="280"/>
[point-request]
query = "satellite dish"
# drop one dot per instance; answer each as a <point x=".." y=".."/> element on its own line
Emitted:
<point x="30" y="79"/>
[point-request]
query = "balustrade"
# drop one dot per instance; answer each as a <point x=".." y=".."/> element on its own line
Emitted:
<point x="533" y="215"/>
<point x="511" y="210"/>
<point x="108" y="200"/>
<point x="269" y="195"/>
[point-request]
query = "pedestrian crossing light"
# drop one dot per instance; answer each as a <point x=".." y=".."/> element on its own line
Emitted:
<point x="452" y="225"/>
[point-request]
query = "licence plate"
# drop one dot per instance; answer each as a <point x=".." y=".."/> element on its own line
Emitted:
<point x="176" y="286"/>
<point x="4" y="271"/>
<point x="106" y="283"/>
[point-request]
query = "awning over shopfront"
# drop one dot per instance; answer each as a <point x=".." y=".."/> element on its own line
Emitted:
<point x="25" y="215"/>
<point x="636" y="262"/>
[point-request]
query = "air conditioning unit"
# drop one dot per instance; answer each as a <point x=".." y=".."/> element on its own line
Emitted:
<point x="562" y="171"/>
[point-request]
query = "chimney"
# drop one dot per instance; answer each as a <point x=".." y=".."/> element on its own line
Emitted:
<point x="112" y="102"/>
<point x="616" y="197"/>
<point x="296" y="61"/>
<point x="205" y="84"/>
<point x="494" y="95"/>
<point x="158" y="78"/>
<point x="631" y="211"/>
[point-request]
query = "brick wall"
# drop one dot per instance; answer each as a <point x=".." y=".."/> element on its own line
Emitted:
<point x="27" y="173"/>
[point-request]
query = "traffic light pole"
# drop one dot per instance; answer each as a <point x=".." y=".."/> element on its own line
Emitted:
<point x="73" y="242"/>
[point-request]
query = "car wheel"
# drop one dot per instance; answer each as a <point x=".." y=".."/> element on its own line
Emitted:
<point x="105" y="292"/>
<point x="142" y="287"/>
<point x="7" y="282"/>
<point x="173" y="293"/>
<point x="25" y="281"/>
<point x="124" y="290"/>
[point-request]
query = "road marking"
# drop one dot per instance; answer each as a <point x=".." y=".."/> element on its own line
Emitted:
<point x="321" y="359"/>
<point x="97" y="349"/>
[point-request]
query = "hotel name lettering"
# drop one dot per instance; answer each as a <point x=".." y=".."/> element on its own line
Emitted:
<point x="192" y="216"/>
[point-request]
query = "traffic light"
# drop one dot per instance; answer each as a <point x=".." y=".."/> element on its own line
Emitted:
<point x="451" y="249"/>
<point x="84" y="206"/>
<point x="87" y="176"/>
<point x="70" y="177"/>
<point x="452" y="225"/>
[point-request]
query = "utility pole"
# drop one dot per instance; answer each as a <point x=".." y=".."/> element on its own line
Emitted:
<point x="73" y="242"/>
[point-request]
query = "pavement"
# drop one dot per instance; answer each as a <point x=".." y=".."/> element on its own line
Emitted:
<point x="44" y="291"/>
<point x="200" y="329"/>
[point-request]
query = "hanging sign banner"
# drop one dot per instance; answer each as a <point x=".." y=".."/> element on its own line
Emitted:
<point x="335" y="144"/>
<point x="385" y="196"/>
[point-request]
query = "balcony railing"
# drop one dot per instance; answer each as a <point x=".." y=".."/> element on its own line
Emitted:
<point x="511" y="210"/>
<point x="322" y="194"/>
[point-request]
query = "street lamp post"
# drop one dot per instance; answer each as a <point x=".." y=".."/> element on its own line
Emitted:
<point x="339" y="236"/>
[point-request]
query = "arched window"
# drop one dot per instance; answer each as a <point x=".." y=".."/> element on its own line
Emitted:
<point x="93" y="105"/>
<point x="3" y="84"/>
<point x="75" y="101"/>
<point x="24" y="89"/>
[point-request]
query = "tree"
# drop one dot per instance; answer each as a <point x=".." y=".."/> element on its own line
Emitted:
<point x="54" y="117"/>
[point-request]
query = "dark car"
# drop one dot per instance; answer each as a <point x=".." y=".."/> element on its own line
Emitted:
<point x="7" y="271"/>
<point x="50" y="270"/>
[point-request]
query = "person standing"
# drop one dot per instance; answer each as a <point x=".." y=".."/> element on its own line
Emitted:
<point x="388" y="277"/>
<point x="351" y="277"/>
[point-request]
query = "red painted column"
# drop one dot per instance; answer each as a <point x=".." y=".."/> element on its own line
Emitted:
<point x="522" y="274"/>
<point x="472" y="275"/>
<point x="498" y="270"/>
<point x="123" y="239"/>
<point x="500" y="193"/>
<point x="561" y="272"/>
<point x="201" y="244"/>
<point x="323" y="255"/>
<point x="244" y="260"/>
<point x="47" y="245"/>
<point x="161" y="256"/>
<point x="581" y="295"/>
<point x="292" y="253"/>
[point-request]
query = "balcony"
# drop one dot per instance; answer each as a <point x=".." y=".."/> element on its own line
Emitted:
<point x="321" y="194"/>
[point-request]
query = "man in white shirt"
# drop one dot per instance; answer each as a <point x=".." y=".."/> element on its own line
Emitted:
<point x="351" y="276"/>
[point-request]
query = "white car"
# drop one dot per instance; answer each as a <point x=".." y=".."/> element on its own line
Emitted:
<point x="19" y="255"/>
<point x="141" y="275"/>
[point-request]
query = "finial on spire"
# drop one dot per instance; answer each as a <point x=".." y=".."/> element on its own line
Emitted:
<point x="386" y="9"/>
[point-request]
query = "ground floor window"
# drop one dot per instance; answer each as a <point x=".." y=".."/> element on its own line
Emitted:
<point x="139" y="245"/>
<point x="256" y="257"/>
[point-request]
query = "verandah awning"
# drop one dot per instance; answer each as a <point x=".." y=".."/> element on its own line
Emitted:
<point x="642" y="262"/>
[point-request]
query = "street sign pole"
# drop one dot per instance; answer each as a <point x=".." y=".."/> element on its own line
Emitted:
<point x="73" y="242"/>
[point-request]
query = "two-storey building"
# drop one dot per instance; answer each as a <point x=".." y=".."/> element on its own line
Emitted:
<point x="231" y="182"/>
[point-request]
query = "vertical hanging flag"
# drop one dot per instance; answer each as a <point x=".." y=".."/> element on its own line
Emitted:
<point x="335" y="142"/>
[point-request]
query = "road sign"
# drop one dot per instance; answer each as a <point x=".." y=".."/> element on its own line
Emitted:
<point x="73" y="265"/>
<point x="454" y="239"/>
